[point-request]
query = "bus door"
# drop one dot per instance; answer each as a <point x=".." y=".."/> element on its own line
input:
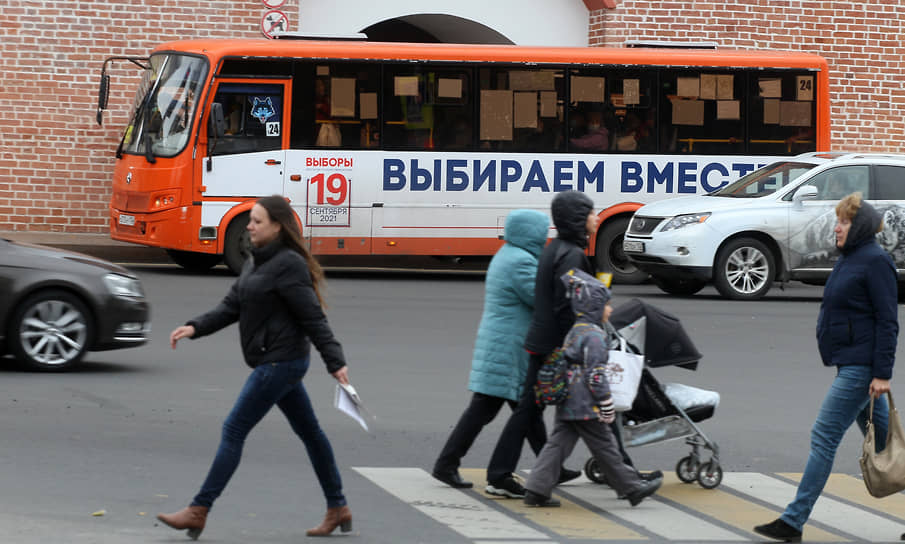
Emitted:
<point x="249" y="159"/>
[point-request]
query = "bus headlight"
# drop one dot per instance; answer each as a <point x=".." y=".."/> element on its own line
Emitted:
<point x="680" y="221"/>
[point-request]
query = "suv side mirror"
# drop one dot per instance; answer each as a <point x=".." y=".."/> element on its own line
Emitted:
<point x="805" y="192"/>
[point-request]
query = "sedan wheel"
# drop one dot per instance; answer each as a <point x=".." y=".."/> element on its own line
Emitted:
<point x="744" y="269"/>
<point x="50" y="331"/>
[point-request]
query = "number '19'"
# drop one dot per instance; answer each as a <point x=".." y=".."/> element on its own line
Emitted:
<point x="337" y="188"/>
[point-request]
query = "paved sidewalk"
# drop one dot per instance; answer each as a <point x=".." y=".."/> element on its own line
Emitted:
<point x="98" y="245"/>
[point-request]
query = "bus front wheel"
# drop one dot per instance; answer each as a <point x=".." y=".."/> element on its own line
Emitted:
<point x="610" y="257"/>
<point x="237" y="245"/>
<point x="191" y="260"/>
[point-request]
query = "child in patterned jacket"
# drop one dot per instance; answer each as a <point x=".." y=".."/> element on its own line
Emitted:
<point x="589" y="409"/>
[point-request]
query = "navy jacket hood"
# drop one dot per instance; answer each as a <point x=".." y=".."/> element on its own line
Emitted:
<point x="864" y="227"/>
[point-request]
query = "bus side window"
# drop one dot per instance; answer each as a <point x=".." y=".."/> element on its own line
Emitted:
<point x="702" y="112"/>
<point x="521" y="109"/>
<point x="341" y="105"/>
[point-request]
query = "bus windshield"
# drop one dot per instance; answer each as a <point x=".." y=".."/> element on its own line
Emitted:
<point x="165" y="106"/>
<point x="764" y="181"/>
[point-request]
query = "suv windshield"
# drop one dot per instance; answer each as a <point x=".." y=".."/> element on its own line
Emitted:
<point x="165" y="106"/>
<point x="764" y="181"/>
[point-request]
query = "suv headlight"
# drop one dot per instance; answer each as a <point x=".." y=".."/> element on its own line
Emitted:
<point x="123" y="286"/>
<point x="680" y="221"/>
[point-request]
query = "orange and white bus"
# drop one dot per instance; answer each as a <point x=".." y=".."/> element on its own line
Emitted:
<point x="423" y="149"/>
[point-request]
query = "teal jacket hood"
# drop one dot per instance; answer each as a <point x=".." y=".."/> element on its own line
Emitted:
<point x="527" y="229"/>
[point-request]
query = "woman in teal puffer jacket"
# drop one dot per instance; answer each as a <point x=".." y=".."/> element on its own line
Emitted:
<point x="500" y="362"/>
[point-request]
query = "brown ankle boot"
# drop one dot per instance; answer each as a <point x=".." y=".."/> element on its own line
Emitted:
<point x="340" y="517"/>
<point x="190" y="517"/>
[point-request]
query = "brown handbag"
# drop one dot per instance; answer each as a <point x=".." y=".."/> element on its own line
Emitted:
<point x="884" y="472"/>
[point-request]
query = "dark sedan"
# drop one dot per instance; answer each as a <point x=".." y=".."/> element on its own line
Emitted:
<point x="57" y="305"/>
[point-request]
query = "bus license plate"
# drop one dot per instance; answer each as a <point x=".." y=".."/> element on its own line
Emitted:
<point x="629" y="246"/>
<point x="128" y="220"/>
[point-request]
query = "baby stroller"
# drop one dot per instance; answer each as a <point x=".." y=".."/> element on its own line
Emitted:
<point x="661" y="413"/>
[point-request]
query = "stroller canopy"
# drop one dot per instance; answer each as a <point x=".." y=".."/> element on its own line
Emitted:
<point x="656" y="333"/>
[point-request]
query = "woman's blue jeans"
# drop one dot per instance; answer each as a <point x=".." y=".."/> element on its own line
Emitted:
<point x="269" y="384"/>
<point x="847" y="401"/>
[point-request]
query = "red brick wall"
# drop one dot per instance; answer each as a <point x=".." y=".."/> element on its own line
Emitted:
<point x="862" y="42"/>
<point x="55" y="161"/>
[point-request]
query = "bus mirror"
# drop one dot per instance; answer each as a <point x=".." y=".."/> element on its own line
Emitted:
<point x="216" y="127"/>
<point x="102" y="95"/>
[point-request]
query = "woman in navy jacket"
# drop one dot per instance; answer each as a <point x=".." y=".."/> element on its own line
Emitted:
<point x="856" y="332"/>
<point x="278" y="305"/>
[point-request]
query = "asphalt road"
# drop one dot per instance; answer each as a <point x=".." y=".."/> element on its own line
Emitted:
<point x="132" y="432"/>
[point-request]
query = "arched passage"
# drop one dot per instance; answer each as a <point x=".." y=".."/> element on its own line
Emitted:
<point x="433" y="28"/>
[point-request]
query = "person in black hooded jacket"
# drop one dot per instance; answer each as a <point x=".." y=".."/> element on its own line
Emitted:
<point x="575" y="220"/>
<point x="857" y="329"/>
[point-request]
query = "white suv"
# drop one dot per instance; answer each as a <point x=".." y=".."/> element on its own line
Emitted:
<point x="776" y="223"/>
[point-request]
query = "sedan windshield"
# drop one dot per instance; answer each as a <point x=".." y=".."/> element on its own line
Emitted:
<point x="165" y="106"/>
<point x="764" y="181"/>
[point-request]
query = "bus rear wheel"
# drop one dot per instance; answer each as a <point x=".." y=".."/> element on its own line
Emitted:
<point x="191" y="260"/>
<point x="610" y="257"/>
<point x="237" y="245"/>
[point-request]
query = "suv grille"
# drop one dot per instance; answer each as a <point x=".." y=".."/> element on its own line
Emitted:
<point x="643" y="225"/>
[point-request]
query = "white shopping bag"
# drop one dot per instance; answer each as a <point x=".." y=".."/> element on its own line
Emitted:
<point x="623" y="373"/>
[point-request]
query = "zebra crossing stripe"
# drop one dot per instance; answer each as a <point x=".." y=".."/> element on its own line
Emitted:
<point x="728" y="508"/>
<point x="459" y="511"/>
<point x="655" y="516"/>
<point x="570" y="520"/>
<point x="830" y="512"/>
<point x="852" y="489"/>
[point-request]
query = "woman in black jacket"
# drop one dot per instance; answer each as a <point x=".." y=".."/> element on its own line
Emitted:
<point x="857" y="328"/>
<point x="278" y="304"/>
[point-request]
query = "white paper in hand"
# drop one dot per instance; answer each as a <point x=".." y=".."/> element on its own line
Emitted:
<point x="346" y="400"/>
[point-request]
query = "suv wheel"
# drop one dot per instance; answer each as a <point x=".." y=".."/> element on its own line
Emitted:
<point x="744" y="269"/>
<point x="50" y="331"/>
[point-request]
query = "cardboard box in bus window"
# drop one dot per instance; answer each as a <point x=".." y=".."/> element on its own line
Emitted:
<point x="548" y="104"/>
<point x="405" y="85"/>
<point x="688" y="87"/>
<point x="526" y="110"/>
<point x="496" y="115"/>
<point x="532" y="80"/>
<point x="631" y="92"/>
<point x="770" y="87"/>
<point x="368" y="105"/>
<point x="688" y="112"/>
<point x="323" y="70"/>
<point x="342" y="97"/>
<point x="588" y="89"/>
<point x="708" y="86"/>
<point x="794" y="114"/>
<point x="728" y="110"/>
<point x="449" y="88"/>
<point x="771" y="111"/>
<point x="725" y="87"/>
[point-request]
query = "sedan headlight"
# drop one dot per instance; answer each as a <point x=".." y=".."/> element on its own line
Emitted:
<point x="680" y="221"/>
<point x="123" y="286"/>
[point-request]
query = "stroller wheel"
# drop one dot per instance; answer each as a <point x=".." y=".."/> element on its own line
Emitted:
<point x="687" y="469"/>
<point x="710" y="475"/>
<point x="592" y="471"/>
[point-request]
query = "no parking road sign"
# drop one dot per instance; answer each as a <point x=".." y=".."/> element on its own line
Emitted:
<point x="273" y="22"/>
